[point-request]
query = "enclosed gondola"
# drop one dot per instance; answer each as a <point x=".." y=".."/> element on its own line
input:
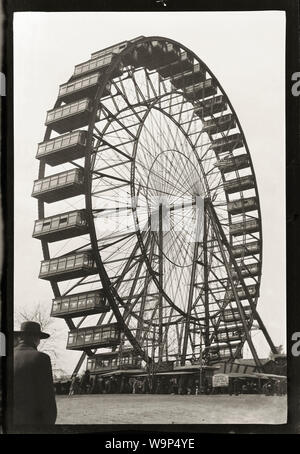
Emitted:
<point x="94" y="336"/>
<point x="59" y="186"/>
<point x="80" y="304"/>
<point x="69" y="266"/>
<point x="61" y="226"/>
<point x="112" y="361"/>
<point x="62" y="149"/>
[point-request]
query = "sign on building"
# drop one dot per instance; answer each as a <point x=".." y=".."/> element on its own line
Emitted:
<point x="219" y="380"/>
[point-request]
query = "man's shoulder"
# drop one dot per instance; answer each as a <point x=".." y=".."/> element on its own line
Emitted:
<point x="32" y="352"/>
<point x="43" y="356"/>
<point x="41" y="360"/>
<point x="21" y="349"/>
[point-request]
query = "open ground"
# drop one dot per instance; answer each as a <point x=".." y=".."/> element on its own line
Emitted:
<point x="171" y="409"/>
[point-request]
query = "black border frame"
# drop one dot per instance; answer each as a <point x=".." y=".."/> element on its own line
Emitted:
<point x="143" y="432"/>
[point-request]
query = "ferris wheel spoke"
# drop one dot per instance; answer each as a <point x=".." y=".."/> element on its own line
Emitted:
<point x="155" y="143"/>
<point x="116" y="119"/>
<point x="128" y="265"/>
<point x="113" y="147"/>
<point x="180" y="239"/>
<point x="138" y="91"/>
<point x="156" y="174"/>
<point x="150" y="85"/>
<point x="122" y="94"/>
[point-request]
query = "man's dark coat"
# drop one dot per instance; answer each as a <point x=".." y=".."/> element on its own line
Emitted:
<point x="34" y="397"/>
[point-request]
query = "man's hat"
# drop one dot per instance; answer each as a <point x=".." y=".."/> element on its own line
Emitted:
<point x="32" y="328"/>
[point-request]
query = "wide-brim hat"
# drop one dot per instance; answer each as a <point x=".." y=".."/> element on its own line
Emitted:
<point x="32" y="328"/>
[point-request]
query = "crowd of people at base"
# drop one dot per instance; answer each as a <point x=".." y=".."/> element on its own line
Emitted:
<point x="97" y="384"/>
<point x="269" y="388"/>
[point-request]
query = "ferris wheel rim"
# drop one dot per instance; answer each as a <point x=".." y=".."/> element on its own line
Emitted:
<point x="103" y="274"/>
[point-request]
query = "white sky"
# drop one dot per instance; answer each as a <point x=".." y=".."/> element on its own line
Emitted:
<point x="245" y="51"/>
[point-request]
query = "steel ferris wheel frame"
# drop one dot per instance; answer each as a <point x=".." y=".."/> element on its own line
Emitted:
<point x="182" y="136"/>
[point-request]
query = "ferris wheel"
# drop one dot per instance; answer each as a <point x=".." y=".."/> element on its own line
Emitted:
<point x="148" y="210"/>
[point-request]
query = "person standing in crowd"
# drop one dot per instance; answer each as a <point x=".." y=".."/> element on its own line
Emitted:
<point x="85" y="382"/>
<point x="181" y="385"/>
<point x="100" y="385"/>
<point x="123" y="385"/>
<point x="270" y="389"/>
<point x="138" y="386"/>
<point x="175" y="386"/>
<point x="245" y="388"/>
<point x="107" y="386"/>
<point x="127" y="388"/>
<point x="236" y="386"/>
<point x="146" y="385"/>
<point x="113" y="385"/>
<point x="278" y="387"/>
<point x="158" y="386"/>
<point x="95" y="387"/>
<point x="34" y="397"/>
<point x="134" y="386"/>
<point x="230" y="387"/>
<point x="92" y="385"/>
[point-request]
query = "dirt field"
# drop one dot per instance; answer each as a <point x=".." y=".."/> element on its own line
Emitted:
<point x="171" y="409"/>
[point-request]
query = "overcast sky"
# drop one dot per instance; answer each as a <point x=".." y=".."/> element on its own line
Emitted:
<point x="246" y="52"/>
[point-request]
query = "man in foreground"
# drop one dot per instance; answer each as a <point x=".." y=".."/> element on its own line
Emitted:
<point x="34" y="398"/>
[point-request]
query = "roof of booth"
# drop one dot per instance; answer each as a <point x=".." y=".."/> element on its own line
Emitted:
<point x="195" y="367"/>
<point x="125" y="372"/>
<point x="254" y="375"/>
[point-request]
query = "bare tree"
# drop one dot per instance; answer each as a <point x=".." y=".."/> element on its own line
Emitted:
<point x="42" y="316"/>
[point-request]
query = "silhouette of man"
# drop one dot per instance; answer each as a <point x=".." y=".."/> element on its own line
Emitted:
<point x="34" y="397"/>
